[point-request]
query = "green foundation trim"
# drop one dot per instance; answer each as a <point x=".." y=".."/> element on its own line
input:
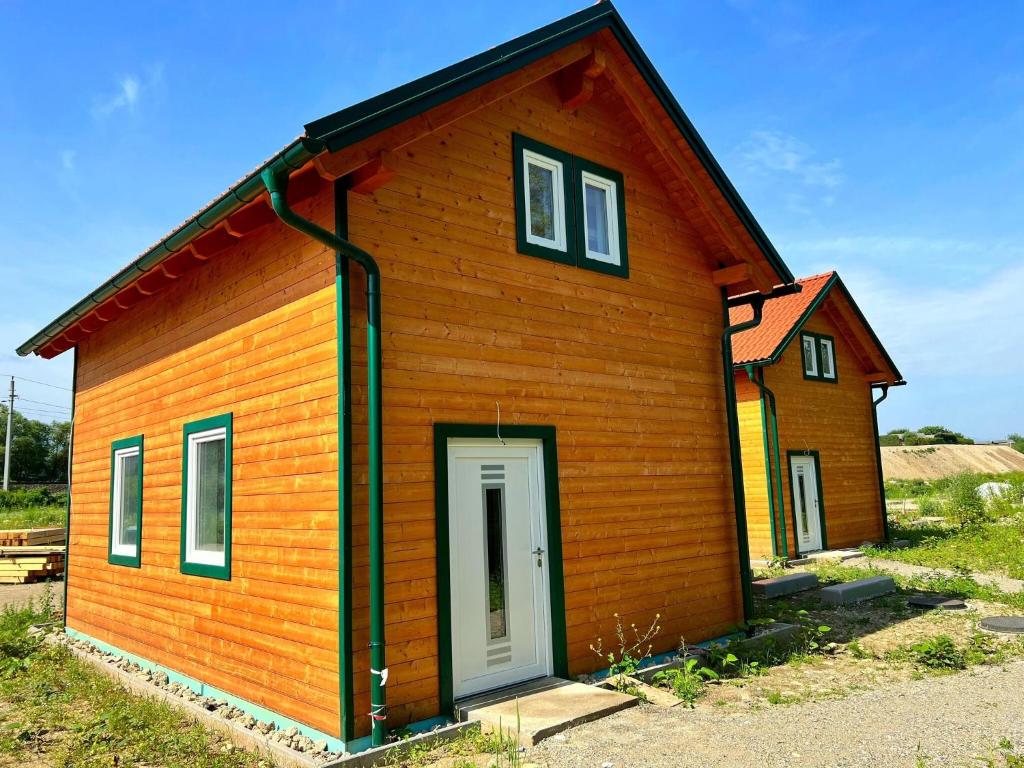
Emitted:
<point x="334" y="744"/>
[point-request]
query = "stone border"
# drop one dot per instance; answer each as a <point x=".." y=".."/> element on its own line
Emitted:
<point x="225" y="719"/>
<point x="384" y="755"/>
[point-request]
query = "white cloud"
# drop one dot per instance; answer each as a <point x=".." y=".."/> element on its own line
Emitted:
<point x="970" y="330"/>
<point x="126" y="97"/>
<point x="773" y="152"/>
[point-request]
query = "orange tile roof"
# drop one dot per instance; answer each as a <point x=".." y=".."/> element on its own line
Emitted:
<point x="779" y="317"/>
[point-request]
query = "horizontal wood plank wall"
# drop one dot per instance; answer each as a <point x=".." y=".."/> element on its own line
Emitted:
<point x="835" y="420"/>
<point x="628" y="371"/>
<point x="251" y="332"/>
<point x="755" y="484"/>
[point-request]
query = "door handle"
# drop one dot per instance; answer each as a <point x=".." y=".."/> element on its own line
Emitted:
<point x="538" y="552"/>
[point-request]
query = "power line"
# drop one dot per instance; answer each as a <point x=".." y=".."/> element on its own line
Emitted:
<point x="33" y="381"/>
<point x="40" y="402"/>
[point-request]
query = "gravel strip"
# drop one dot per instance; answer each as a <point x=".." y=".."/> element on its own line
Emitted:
<point x="1002" y="583"/>
<point x="948" y="721"/>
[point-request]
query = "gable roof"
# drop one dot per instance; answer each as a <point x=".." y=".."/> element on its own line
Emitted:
<point x="362" y="120"/>
<point x="783" y="317"/>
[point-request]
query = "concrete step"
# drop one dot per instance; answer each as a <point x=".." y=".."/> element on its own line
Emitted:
<point x="780" y="586"/>
<point x="858" y="591"/>
<point x="841" y="555"/>
<point x="541" y="708"/>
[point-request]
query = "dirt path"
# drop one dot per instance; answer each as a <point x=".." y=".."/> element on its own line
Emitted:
<point x="15" y="594"/>
<point x="934" y="721"/>
<point x="1001" y="583"/>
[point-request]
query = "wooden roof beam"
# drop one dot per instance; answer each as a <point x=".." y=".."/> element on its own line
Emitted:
<point x="576" y="82"/>
<point x="368" y="178"/>
<point x="673" y="156"/>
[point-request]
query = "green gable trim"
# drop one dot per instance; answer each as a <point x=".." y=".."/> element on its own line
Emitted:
<point x="556" y="578"/>
<point x="821" y="496"/>
<point x="132" y="561"/>
<point x="519" y="145"/>
<point x="191" y="428"/>
<point x="355" y="123"/>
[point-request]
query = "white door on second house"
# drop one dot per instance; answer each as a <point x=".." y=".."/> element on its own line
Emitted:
<point x="499" y="583"/>
<point x="806" y="503"/>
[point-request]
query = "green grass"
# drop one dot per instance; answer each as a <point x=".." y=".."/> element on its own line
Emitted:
<point x="991" y="547"/>
<point x="56" y="711"/>
<point x="32" y="517"/>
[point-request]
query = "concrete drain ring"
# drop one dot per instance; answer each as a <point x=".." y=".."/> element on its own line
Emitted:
<point x="936" y="601"/>
<point x="1010" y="625"/>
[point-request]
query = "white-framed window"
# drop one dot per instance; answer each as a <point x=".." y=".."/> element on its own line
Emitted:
<point x="544" y="201"/>
<point x="600" y="218"/>
<point x="206" y="498"/>
<point x="126" y="502"/>
<point x="828" y="363"/>
<point x="810" y="356"/>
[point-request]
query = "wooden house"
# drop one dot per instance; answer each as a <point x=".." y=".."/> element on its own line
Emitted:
<point x="417" y="407"/>
<point x="805" y="383"/>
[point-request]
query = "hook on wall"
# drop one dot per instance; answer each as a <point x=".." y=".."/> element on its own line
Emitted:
<point x="498" y="424"/>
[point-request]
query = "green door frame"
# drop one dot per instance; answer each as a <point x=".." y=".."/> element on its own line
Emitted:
<point x="790" y="455"/>
<point x="556" y="579"/>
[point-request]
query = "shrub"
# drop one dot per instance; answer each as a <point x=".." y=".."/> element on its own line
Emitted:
<point x="37" y="497"/>
<point x="964" y="504"/>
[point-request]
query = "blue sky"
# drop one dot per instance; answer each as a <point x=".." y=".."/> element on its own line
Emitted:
<point x="881" y="139"/>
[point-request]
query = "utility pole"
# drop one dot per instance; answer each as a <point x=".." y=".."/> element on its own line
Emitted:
<point x="10" y="429"/>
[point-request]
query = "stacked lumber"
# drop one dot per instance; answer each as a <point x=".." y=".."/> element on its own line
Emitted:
<point x="31" y="555"/>
<point x="31" y="537"/>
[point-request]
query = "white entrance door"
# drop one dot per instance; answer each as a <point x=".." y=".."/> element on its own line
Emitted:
<point x="807" y="504"/>
<point x="499" y="575"/>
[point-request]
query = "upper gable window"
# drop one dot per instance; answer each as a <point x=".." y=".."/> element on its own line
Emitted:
<point x="568" y="209"/>
<point x="545" y="201"/>
<point x="819" y="357"/>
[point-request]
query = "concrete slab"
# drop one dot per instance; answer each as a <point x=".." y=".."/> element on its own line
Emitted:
<point x="781" y="586"/>
<point x="858" y="591"/>
<point x="541" y="708"/>
<point x="778" y="634"/>
<point x="841" y="555"/>
<point x="940" y="602"/>
<point x="900" y="544"/>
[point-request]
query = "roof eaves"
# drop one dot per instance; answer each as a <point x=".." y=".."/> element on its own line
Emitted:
<point x="362" y="120"/>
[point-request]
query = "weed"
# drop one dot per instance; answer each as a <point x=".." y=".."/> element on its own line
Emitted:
<point x="858" y="651"/>
<point x="964" y="504"/>
<point x="631" y="653"/>
<point x="689" y="682"/>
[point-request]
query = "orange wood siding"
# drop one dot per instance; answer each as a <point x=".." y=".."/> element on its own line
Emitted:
<point x="251" y="332"/>
<point x="628" y="371"/>
<point x="835" y="420"/>
<point x="755" y="484"/>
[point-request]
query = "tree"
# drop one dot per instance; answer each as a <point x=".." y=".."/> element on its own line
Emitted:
<point x="1017" y="441"/>
<point x="39" y="451"/>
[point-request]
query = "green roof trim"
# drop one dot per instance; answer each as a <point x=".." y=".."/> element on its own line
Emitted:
<point x="813" y="307"/>
<point x="373" y="115"/>
<point x="355" y="123"/>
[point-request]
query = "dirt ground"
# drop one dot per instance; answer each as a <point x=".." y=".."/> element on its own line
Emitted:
<point x="930" y="462"/>
<point x="15" y="594"/>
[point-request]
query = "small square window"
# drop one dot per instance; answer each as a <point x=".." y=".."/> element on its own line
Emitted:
<point x="126" y="502"/>
<point x="206" y="502"/>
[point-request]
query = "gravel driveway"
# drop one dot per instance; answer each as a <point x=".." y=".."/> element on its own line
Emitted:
<point x="943" y="721"/>
<point x="19" y="594"/>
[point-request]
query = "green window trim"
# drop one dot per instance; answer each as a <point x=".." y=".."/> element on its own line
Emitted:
<point x="572" y="207"/>
<point x="817" y="339"/>
<point x="132" y="561"/>
<point x="213" y="571"/>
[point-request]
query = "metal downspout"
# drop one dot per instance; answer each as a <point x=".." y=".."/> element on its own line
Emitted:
<point x="878" y="459"/>
<point x="774" y="485"/>
<point x="275" y="179"/>
<point x="739" y="497"/>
